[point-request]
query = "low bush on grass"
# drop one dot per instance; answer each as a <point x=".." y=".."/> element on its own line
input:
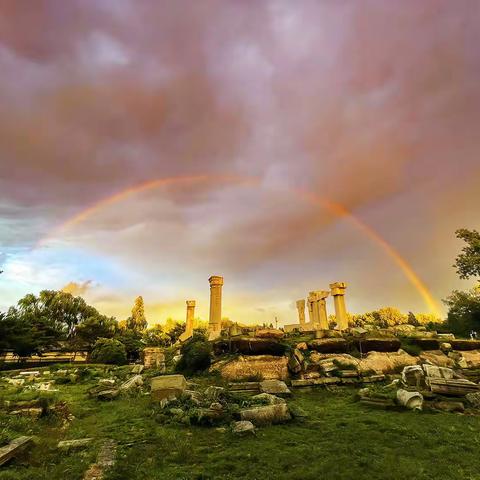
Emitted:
<point x="109" y="351"/>
<point x="196" y="355"/>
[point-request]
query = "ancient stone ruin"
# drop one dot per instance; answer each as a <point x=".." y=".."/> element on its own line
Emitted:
<point x="317" y="310"/>
<point x="189" y="322"/>
<point x="215" y="321"/>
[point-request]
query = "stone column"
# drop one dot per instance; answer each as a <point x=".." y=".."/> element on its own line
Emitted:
<point x="301" y="312"/>
<point x="322" y="309"/>
<point x="215" y="321"/>
<point x="312" y="309"/>
<point x="338" y="294"/>
<point x="189" y="322"/>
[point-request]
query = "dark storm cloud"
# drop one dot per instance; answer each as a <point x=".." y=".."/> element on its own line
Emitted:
<point x="373" y="104"/>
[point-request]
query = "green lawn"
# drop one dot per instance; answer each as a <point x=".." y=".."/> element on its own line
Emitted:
<point x="341" y="439"/>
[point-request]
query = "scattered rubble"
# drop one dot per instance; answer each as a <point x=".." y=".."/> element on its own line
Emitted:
<point x="275" y="387"/>
<point x="243" y="427"/>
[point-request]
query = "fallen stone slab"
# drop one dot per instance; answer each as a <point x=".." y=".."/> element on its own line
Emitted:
<point x="455" y="387"/>
<point x="244" y="427"/>
<point x="432" y="371"/>
<point x="105" y="460"/>
<point x="135" y="382"/>
<point x="386" y="362"/>
<point x="473" y="399"/>
<point x="167" y="387"/>
<point x="269" y="333"/>
<point x="465" y="345"/>
<point x="34" y="413"/>
<point x="108" y="394"/>
<point x="74" y="444"/>
<point x="268" y="398"/>
<point x="372" y="378"/>
<point x="252" y="387"/>
<point x="437" y="358"/>
<point x="252" y="368"/>
<point x="267" y="414"/>
<point x="378" y="402"/>
<point x="327" y="381"/>
<point x="275" y="387"/>
<point x="14" y="448"/>
<point x="109" y="382"/>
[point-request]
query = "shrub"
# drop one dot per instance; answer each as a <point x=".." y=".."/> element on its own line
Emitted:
<point x="196" y="355"/>
<point x="108" y="350"/>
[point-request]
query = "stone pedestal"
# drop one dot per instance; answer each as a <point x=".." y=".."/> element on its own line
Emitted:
<point x="189" y="322"/>
<point x="153" y="357"/>
<point x="338" y="294"/>
<point x="301" y="312"/>
<point x="215" y="321"/>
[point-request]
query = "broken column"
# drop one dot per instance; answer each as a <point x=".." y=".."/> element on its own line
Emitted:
<point x="338" y="294"/>
<point x="321" y="305"/>
<point x="215" y="321"/>
<point x="301" y="312"/>
<point x="312" y="310"/>
<point x="189" y="322"/>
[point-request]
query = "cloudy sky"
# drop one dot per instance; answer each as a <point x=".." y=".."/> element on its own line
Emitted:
<point x="373" y="105"/>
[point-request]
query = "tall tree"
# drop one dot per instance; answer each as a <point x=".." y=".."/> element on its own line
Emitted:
<point x="52" y="319"/>
<point x="464" y="307"/>
<point x="468" y="262"/>
<point x="137" y="320"/>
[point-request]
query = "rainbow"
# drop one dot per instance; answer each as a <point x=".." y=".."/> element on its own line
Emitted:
<point x="307" y="196"/>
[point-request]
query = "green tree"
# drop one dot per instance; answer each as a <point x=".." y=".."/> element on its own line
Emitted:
<point x="464" y="311"/>
<point x="17" y="335"/>
<point x="468" y="262"/>
<point x="50" y="320"/>
<point x="156" y="337"/>
<point x="91" y="329"/>
<point x="137" y="320"/>
<point x="175" y="332"/>
<point x="132" y="340"/>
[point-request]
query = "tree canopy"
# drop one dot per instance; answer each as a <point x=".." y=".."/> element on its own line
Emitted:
<point x="468" y="262"/>
<point x="137" y="320"/>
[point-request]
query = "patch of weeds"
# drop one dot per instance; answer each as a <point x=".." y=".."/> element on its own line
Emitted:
<point x="408" y="344"/>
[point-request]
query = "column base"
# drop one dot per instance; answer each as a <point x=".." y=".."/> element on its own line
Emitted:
<point x="214" y="335"/>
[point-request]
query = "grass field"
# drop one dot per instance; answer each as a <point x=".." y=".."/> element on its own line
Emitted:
<point x="340" y="439"/>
